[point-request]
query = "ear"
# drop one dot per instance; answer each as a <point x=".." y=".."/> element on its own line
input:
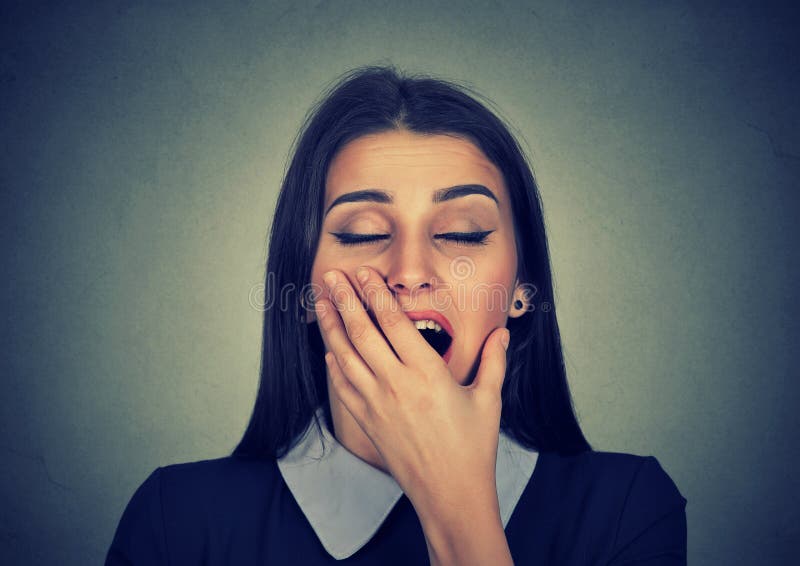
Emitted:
<point x="520" y="301"/>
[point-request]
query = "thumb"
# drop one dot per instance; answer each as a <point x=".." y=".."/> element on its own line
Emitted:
<point x="492" y="369"/>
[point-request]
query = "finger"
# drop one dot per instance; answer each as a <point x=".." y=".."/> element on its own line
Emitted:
<point x="360" y="331"/>
<point x="348" y="360"/>
<point x="492" y="369"/>
<point x="353" y="402"/>
<point x="344" y="390"/>
<point x="412" y="349"/>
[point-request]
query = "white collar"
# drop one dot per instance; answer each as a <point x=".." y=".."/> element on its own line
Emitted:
<point x="346" y="500"/>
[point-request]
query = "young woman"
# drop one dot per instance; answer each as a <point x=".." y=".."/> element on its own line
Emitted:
<point x="414" y="407"/>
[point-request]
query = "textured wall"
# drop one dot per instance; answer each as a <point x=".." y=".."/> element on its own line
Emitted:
<point x="142" y="149"/>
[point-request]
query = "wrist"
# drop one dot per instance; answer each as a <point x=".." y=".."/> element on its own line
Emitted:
<point x="471" y="533"/>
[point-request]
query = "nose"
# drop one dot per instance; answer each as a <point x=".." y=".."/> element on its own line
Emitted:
<point x="410" y="271"/>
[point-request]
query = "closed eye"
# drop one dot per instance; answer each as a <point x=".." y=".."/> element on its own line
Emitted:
<point x="468" y="238"/>
<point x="463" y="238"/>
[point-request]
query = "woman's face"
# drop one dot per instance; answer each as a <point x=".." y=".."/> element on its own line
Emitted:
<point x="453" y="253"/>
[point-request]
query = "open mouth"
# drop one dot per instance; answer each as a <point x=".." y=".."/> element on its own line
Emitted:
<point x="436" y="336"/>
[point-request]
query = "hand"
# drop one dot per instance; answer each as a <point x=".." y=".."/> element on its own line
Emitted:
<point x="438" y="438"/>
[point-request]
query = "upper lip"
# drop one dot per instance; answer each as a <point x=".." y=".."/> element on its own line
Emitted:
<point x="434" y="316"/>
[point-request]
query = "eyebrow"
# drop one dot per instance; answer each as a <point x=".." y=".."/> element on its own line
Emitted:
<point x="441" y="195"/>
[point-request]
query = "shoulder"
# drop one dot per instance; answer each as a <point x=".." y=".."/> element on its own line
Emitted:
<point x="217" y="472"/>
<point x="630" y="480"/>
<point x="631" y="498"/>
<point x="184" y="486"/>
<point x="179" y="502"/>
<point x="204" y="485"/>
<point x="194" y="489"/>
<point x="612" y="468"/>
<point x="645" y="481"/>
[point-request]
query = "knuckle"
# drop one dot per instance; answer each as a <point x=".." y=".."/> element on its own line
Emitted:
<point x="357" y="331"/>
<point x="328" y="323"/>
<point x="370" y="293"/>
<point x="336" y="379"/>
<point x="425" y="404"/>
<point x="393" y="393"/>
<point x="347" y="362"/>
<point x="390" y="318"/>
<point x="375" y="414"/>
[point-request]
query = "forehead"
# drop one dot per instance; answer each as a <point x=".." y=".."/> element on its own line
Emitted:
<point x="399" y="160"/>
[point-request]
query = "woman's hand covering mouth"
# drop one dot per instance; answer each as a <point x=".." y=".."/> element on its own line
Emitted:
<point x="427" y="427"/>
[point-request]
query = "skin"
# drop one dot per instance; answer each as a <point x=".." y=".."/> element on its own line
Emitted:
<point x="395" y="403"/>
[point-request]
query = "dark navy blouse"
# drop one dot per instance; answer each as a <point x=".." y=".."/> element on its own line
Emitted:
<point x="591" y="508"/>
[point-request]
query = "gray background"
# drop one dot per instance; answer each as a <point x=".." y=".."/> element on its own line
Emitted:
<point x="143" y="146"/>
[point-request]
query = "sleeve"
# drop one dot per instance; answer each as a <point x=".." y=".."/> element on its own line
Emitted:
<point x="140" y="537"/>
<point x="652" y="527"/>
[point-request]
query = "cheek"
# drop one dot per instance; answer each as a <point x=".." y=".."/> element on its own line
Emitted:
<point x="491" y="294"/>
<point x="324" y="261"/>
<point x="328" y="258"/>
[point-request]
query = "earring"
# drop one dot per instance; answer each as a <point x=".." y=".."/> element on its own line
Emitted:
<point x="517" y="304"/>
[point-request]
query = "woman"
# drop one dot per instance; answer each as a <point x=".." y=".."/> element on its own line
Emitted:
<point x="415" y="407"/>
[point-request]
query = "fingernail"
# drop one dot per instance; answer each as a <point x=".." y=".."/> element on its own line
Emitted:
<point x="362" y="274"/>
<point x="330" y="279"/>
<point x="504" y="339"/>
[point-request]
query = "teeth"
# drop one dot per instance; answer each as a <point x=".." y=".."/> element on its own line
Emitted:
<point x="429" y="324"/>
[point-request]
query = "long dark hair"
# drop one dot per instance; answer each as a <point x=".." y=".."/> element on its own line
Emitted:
<point x="537" y="407"/>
